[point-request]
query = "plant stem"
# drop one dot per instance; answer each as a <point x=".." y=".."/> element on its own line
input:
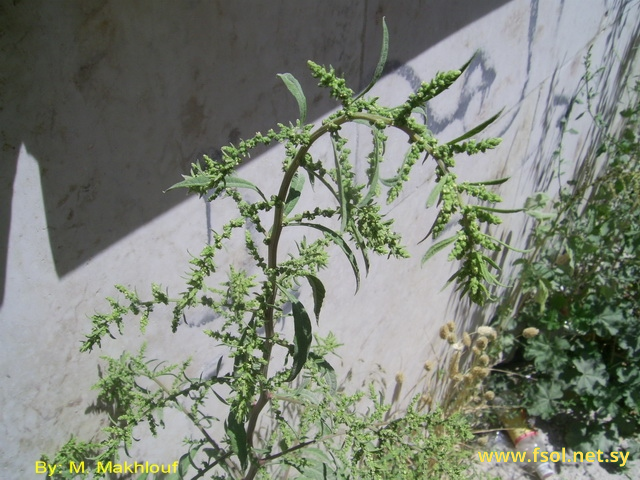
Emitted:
<point x="272" y="256"/>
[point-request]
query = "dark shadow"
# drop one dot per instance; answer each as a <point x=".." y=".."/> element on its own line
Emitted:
<point x="116" y="99"/>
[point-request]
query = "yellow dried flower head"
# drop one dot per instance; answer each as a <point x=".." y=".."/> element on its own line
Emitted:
<point x="444" y="332"/>
<point x="457" y="377"/>
<point x="488" y="396"/>
<point x="400" y="378"/>
<point x="451" y="338"/>
<point x="476" y="350"/>
<point x="482" y="343"/>
<point x="428" y="365"/>
<point x="530" y="332"/>
<point x="451" y="326"/>
<point x="480" y="372"/>
<point x="454" y="364"/>
<point x="483" y="360"/>
<point x="466" y="339"/>
<point x="488" y="332"/>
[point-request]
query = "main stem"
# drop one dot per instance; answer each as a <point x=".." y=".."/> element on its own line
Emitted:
<point x="272" y="258"/>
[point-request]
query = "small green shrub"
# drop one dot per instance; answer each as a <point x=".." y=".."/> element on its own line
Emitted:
<point x="282" y="418"/>
<point x="582" y="291"/>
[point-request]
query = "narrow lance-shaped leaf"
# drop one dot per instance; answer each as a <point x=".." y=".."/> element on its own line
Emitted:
<point x="237" y="182"/>
<point x="296" y="90"/>
<point x="498" y="181"/>
<point x="436" y="247"/>
<point x="435" y="193"/>
<point x="375" y="166"/>
<point x="506" y="245"/>
<point x="382" y="60"/>
<point x="302" y="335"/>
<point x="344" y="207"/>
<point x="295" y="190"/>
<point x="500" y="210"/>
<point x="199" y="181"/>
<point x="318" y="290"/>
<point x="475" y="130"/>
<point x="361" y="245"/>
<point x="339" y="241"/>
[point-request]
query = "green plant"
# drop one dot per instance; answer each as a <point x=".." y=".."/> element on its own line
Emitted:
<point x="283" y="416"/>
<point x="581" y="291"/>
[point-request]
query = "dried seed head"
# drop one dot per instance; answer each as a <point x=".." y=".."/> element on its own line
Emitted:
<point x="451" y="326"/>
<point x="488" y="396"/>
<point x="400" y="378"/>
<point x="451" y="338"/>
<point x="483" y="360"/>
<point x="454" y="367"/>
<point x="489" y="332"/>
<point x="476" y="399"/>
<point x="530" y="332"/>
<point x="428" y="365"/>
<point x="458" y="346"/>
<point x="444" y="332"/>
<point x="466" y="339"/>
<point x="482" y="343"/>
<point x="476" y="350"/>
<point x="480" y="372"/>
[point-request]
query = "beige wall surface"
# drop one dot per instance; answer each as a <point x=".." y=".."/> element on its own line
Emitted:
<point x="103" y="104"/>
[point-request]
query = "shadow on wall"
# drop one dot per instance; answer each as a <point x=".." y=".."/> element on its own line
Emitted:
<point x="116" y="99"/>
<point x="611" y="77"/>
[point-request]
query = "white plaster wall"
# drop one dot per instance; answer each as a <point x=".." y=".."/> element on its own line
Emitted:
<point x="105" y="103"/>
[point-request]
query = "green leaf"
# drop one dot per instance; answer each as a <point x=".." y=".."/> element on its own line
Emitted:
<point x="435" y="193"/>
<point x="317" y="465"/>
<point x="339" y="241"/>
<point x="237" y="438"/>
<point x="375" y="177"/>
<point x="296" y="90"/>
<point x="384" y="52"/>
<point x="544" y="399"/>
<point x="390" y="182"/>
<point x="318" y="294"/>
<point x="326" y="371"/>
<point x="342" y="199"/>
<point x="534" y="206"/>
<point x="542" y="294"/>
<point x="499" y="210"/>
<point x="498" y="181"/>
<point x="199" y="181"/>
<point x="295" y="190"/>
<point x="302" y="335"/>
<point x="237" y="182"/>
<point x="436" y="247"/>
<point x="593" y="373"/>
<point x="506" y="245"/>
<point x="475" y="130"/>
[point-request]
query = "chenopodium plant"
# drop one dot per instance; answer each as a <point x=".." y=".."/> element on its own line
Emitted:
<point x="328" y="437"/>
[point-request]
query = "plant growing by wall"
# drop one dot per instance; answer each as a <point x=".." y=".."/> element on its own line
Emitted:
<point x="581" y="290"/>
<point x="282" y="409"/>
